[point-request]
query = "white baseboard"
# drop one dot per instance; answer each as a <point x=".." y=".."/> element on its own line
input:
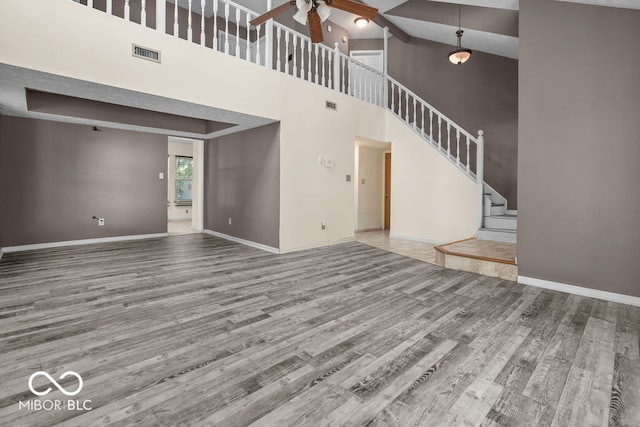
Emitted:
<point x="317" y="245"/>
<point x="243" y="241"/>
<point x="21" y="248"/>
<point x="578" y="290"/>
<point x="512" y="211"/>
<point x="416" y="239"/>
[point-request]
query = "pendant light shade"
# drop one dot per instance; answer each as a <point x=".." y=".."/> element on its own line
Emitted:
<point x="460" y="55"/>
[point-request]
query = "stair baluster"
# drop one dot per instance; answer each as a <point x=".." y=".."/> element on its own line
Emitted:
<point x="189" y="23"/>
<point x="226" y="28"/>
<point x="203" y="36"/>
<point x="458" y="147"/>
<point x="238" y="33"/>
<point x="247" y="55"/>
<point x="309" y="53"/>
<point x="286" y="51"/>
<point x="278" y="58"/>
<point x="295" y="56"/>
<point x="215" y="23"/>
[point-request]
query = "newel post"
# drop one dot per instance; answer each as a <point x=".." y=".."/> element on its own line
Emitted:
<point x="336" y="68"/>
<point x="161" y="16"/>
<point x="268" y="46"/>
<point x="480" y="178"/>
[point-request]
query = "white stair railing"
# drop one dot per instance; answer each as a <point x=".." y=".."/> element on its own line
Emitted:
<point x="320" y="64"/>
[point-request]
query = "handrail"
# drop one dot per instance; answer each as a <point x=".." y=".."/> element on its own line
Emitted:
<point x="432" y="108"/>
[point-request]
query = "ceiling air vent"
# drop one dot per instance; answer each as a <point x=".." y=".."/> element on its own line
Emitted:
<point x="145" y="53"/>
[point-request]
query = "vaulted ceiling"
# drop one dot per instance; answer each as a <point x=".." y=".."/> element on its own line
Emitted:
<point x="489" y="25"/>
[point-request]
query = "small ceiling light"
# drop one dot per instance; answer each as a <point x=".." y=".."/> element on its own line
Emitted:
<point x="460" y="55"/>
<point x="361" y="22"/>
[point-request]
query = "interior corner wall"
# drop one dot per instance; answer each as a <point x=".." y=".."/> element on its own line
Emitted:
<point x="54" y="177"/>
<point x="579" y="146"/>
<point x="369" y="191"/>
<point x="481" y="94"/>
<point x="242" y="184"/>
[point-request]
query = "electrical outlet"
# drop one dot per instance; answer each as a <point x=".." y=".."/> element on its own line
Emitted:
<point x="100" y="222"/>
<point x="229" y="220"/>
<point x="323" y="225"/>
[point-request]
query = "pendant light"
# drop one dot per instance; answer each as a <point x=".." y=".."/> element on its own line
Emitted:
<point x="460" y="55"/>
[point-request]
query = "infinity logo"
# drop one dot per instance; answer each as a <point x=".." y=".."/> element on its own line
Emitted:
<point x="48" y="390"/>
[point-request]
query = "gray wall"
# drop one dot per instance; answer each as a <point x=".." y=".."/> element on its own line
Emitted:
<point x="242" y="182"/>
<point x="579" y="154"/>
<point x="481" y="94"/>
<point x="55" y="176"/>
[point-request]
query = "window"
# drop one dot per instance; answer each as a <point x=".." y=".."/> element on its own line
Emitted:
<point x="184" y="180"/>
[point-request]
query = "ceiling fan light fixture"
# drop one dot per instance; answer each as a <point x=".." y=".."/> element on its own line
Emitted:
<point x="361" y="22"/>
<point x="323" y="10"/>
<point x="301" y="16"/>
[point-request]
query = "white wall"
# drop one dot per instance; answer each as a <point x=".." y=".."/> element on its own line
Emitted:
<point x="174" y="212"/>
<point x="370" y="192"/>
<point x="430" y="198"/>
<point x="309" y="192"/>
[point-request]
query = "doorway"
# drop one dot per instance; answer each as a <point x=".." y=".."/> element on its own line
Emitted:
<point x="387" y="190"/>
<point x="369" y="184"/>
<point x="184" y="189"/>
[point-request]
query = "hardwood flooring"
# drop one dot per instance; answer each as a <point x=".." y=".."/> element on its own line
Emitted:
<point x="195" y="330"/>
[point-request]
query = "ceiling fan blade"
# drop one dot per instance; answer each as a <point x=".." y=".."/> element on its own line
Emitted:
<point x="271" y="13"/>
<point x="315" y="27"/>
<point x="355" y="8"/>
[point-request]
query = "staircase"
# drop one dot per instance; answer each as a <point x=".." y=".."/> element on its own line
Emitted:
<point x="282" y="49"/>
<point x="499" y="224"/>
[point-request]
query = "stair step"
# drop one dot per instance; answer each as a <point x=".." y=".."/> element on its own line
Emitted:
<point x="497" y="235"/>
<point x="506" y="222"/>
<point x="498" y="209"/>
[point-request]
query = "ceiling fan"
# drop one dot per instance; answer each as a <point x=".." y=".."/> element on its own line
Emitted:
<point x="315" y="12"/>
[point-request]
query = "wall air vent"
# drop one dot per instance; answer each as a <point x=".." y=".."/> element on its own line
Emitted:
<point x="145" y="53"/>
<point x="332" y="105"/>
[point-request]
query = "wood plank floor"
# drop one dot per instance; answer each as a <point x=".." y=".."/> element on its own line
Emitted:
<point x="195" y="330"/>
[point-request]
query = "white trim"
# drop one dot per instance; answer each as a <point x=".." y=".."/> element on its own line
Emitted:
<point x="318" y="245"/>
<point x="243" y="241"/>
<point x="512" y="212"/>
<point x="578" y="290"/>
<point x="21" y="248"/>
<point x="416" y="239"/>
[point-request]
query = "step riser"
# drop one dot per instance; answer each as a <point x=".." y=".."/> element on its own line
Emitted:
<point x="505" y="224"/>
<point x="497" y="236"/>
<point x="498" y="210"/>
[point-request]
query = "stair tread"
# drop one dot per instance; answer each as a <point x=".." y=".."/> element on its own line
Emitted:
<point x="497" y="204"/>
<point x="500" y="230"/>
<point x="507" y="217"/>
